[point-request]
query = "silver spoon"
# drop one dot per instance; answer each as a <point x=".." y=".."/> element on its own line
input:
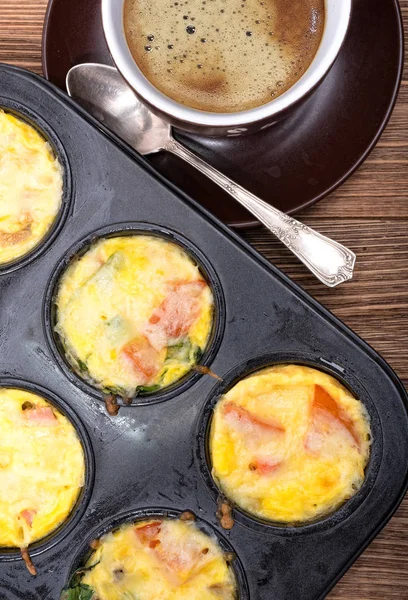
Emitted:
<point x="105" y="94"/>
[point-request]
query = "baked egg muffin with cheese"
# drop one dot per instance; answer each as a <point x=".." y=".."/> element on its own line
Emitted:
<point x="289" y="444"/>
<point x="134" y="314"/>
<point x="30" y="187"/>
<point x="42" y="468"/>
<point x="166" y="559"/>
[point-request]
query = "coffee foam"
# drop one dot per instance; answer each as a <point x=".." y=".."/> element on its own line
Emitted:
<point x="223" y="55"/>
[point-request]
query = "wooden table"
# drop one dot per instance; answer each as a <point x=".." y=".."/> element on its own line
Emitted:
<point x="368" y="214"/>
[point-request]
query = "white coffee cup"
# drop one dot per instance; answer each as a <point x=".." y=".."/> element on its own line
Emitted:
<point x="337" y="18"/>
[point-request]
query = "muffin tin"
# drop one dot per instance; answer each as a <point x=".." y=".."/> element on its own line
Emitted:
<point x="153" y="458"/>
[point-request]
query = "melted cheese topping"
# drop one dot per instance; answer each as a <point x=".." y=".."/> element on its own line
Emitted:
<point x="30" y="187"/>
<point x="42" y="468"/>
<point x="160" y="560"/>
<point x="289" y="444"/>
<point x="133" y="312"/>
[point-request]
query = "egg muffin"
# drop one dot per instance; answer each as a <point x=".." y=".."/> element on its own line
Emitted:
<point x="42" y="468"/>
<point x="134" y="314"/>
<point x="166" y="559"/>
<point x="289" y="444"/>
<point x="30" y="188"/>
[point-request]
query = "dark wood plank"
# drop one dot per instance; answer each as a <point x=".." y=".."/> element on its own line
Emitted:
<point x="369" y="213"/>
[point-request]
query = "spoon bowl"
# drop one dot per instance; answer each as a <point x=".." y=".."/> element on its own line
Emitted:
<point x="101" y="90"/>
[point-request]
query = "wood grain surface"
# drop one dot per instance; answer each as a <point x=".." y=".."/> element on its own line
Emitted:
<point x="369" y="214"/>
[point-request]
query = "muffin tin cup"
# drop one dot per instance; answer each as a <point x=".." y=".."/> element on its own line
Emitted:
<point x="130" y="229"/>
<point x="153" y="454"/>
<point x="84" y="552"/>
<point x="251" y="367"/>
<point x="42" y="127"/>
<point x="56" y="536"/>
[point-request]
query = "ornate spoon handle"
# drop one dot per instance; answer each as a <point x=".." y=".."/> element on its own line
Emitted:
<point x="331" y="262"/>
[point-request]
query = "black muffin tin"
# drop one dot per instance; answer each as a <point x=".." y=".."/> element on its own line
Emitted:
<point x="152" y="457"/>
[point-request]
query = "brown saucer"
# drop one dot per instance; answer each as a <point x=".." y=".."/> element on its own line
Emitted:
<point x="294" y="163"/>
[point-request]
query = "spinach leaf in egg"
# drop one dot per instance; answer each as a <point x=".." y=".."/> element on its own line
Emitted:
<point x="79" y="592"/>
<point x="117" y="330"/>
<point x="79" y="573"/>
<point x="184" y="352"/>
<point x="147" y="389"/>
<point x="104" y="275"/>
<point x="115" y="390"/>
<point x="82" y="366"/>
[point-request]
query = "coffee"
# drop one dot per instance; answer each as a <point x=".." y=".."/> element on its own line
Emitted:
<point x="223" y="55"/>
